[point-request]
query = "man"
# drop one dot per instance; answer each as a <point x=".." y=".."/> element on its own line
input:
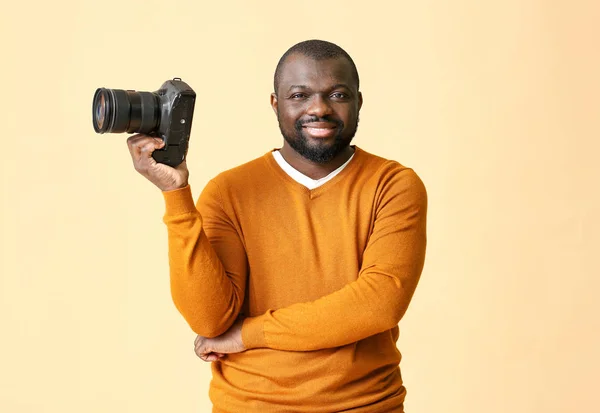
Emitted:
<point x="295" y="268"/>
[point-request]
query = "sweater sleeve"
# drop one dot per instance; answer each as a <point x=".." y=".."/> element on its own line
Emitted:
<point x="207" y="260"/>
<point x="392" y="264"/>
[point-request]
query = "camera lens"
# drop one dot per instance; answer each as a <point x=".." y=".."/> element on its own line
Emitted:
<point x="117" y="111"/>
<point x="100" y="112"/>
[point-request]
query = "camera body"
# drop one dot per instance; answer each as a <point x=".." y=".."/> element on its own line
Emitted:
<point x="176" y="101"/>
<point x="166" y="113"/>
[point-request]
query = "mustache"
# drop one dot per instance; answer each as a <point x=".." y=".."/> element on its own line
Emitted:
<point x="314" y="119"/>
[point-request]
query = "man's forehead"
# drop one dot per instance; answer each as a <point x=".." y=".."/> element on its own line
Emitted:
<point x="303" y="70"/>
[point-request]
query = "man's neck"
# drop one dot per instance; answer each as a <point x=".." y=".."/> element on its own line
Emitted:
<point x="312" y="169"/>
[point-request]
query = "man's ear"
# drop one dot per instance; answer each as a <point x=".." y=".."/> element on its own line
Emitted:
<point x="360" y="100"/>
<point x="274" y="102"/>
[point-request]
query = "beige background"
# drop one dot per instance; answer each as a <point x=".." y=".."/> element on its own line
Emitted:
<point x="495" y="104"/>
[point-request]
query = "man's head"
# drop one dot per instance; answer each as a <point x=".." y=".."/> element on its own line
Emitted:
<point x="317" y="99"/>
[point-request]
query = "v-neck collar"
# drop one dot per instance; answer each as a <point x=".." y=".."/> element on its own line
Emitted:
<point x="312" y="193"/>
<point x="305" y="180"/>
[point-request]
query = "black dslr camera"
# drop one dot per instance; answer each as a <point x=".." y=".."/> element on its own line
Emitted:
<point x="166" y="113"/>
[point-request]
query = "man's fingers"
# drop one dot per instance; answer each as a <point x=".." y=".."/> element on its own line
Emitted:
<point x="200" y="341"/>
<point x="141" y="152"/>
<point x="165" y="177"/>
<point x="212" y="356"/>
<point x="139" y="137"/>
<point x="146" y="148"/>
<point x="204" y="352"/>
<point x="136" y="140"/>
<point x="143" y="143"/>
<point x="200" y="348"/>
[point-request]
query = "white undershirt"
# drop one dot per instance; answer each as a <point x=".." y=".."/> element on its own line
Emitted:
<point x="303" y="179"/>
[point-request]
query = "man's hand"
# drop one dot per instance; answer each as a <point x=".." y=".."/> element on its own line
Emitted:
<point x="212" y="349"/>
<point x="165" y="177"/>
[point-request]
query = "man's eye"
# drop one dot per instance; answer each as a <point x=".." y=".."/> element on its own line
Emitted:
<point x="298" y="95"/>
<point x="339" y="95"/>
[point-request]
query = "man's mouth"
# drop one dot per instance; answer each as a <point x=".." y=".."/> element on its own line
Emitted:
<point x="320" y="129"/>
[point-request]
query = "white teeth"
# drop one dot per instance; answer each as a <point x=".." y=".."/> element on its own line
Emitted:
<point x="319" y="132"/>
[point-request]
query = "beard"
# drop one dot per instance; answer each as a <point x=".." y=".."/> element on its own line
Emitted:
<point x="319" y="151"/>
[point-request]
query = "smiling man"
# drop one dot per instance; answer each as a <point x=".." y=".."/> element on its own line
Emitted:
<point x="295" y="268"/>
<point x="317" y="102"/>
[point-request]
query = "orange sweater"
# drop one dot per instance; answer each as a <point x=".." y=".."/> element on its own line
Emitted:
<point x="323" y="277"/>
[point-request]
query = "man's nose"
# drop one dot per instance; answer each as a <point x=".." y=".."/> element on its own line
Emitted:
<point x="319" y="106"/>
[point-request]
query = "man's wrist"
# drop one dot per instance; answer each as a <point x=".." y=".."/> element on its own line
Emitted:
<point x="175" y="187"/>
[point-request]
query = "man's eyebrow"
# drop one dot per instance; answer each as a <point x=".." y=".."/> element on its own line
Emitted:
<point x="298" y="87"/>
<point x="303" y="87"/>
<point x="339" y="85"/>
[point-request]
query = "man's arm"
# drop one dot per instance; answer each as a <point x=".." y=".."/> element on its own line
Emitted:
<point x="377" y="300"/>
<point x="208" y="278"/>
<point x="207" y="260"/>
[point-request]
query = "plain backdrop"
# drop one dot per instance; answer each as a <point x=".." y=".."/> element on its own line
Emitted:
<point x="496" y="105"/>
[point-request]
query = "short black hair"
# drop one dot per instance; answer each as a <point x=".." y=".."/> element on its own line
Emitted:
<point x="317" y="50"/>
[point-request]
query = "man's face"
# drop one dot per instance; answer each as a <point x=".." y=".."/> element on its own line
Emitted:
<point x="317" y="106"/>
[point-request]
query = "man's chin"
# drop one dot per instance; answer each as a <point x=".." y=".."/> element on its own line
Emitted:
<point x="320" y="144"/>
<point x="318" y="150"/>
<point x="322" y="153"/>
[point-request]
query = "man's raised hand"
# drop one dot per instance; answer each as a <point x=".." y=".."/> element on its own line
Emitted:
<point x="165" y="177"/>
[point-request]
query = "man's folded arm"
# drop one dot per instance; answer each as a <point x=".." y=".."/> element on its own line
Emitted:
<point x="377" y="300"/>
<point x="207" y="260"/>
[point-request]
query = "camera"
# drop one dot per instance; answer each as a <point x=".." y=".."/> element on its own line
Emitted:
<point x="166" y="113"/>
